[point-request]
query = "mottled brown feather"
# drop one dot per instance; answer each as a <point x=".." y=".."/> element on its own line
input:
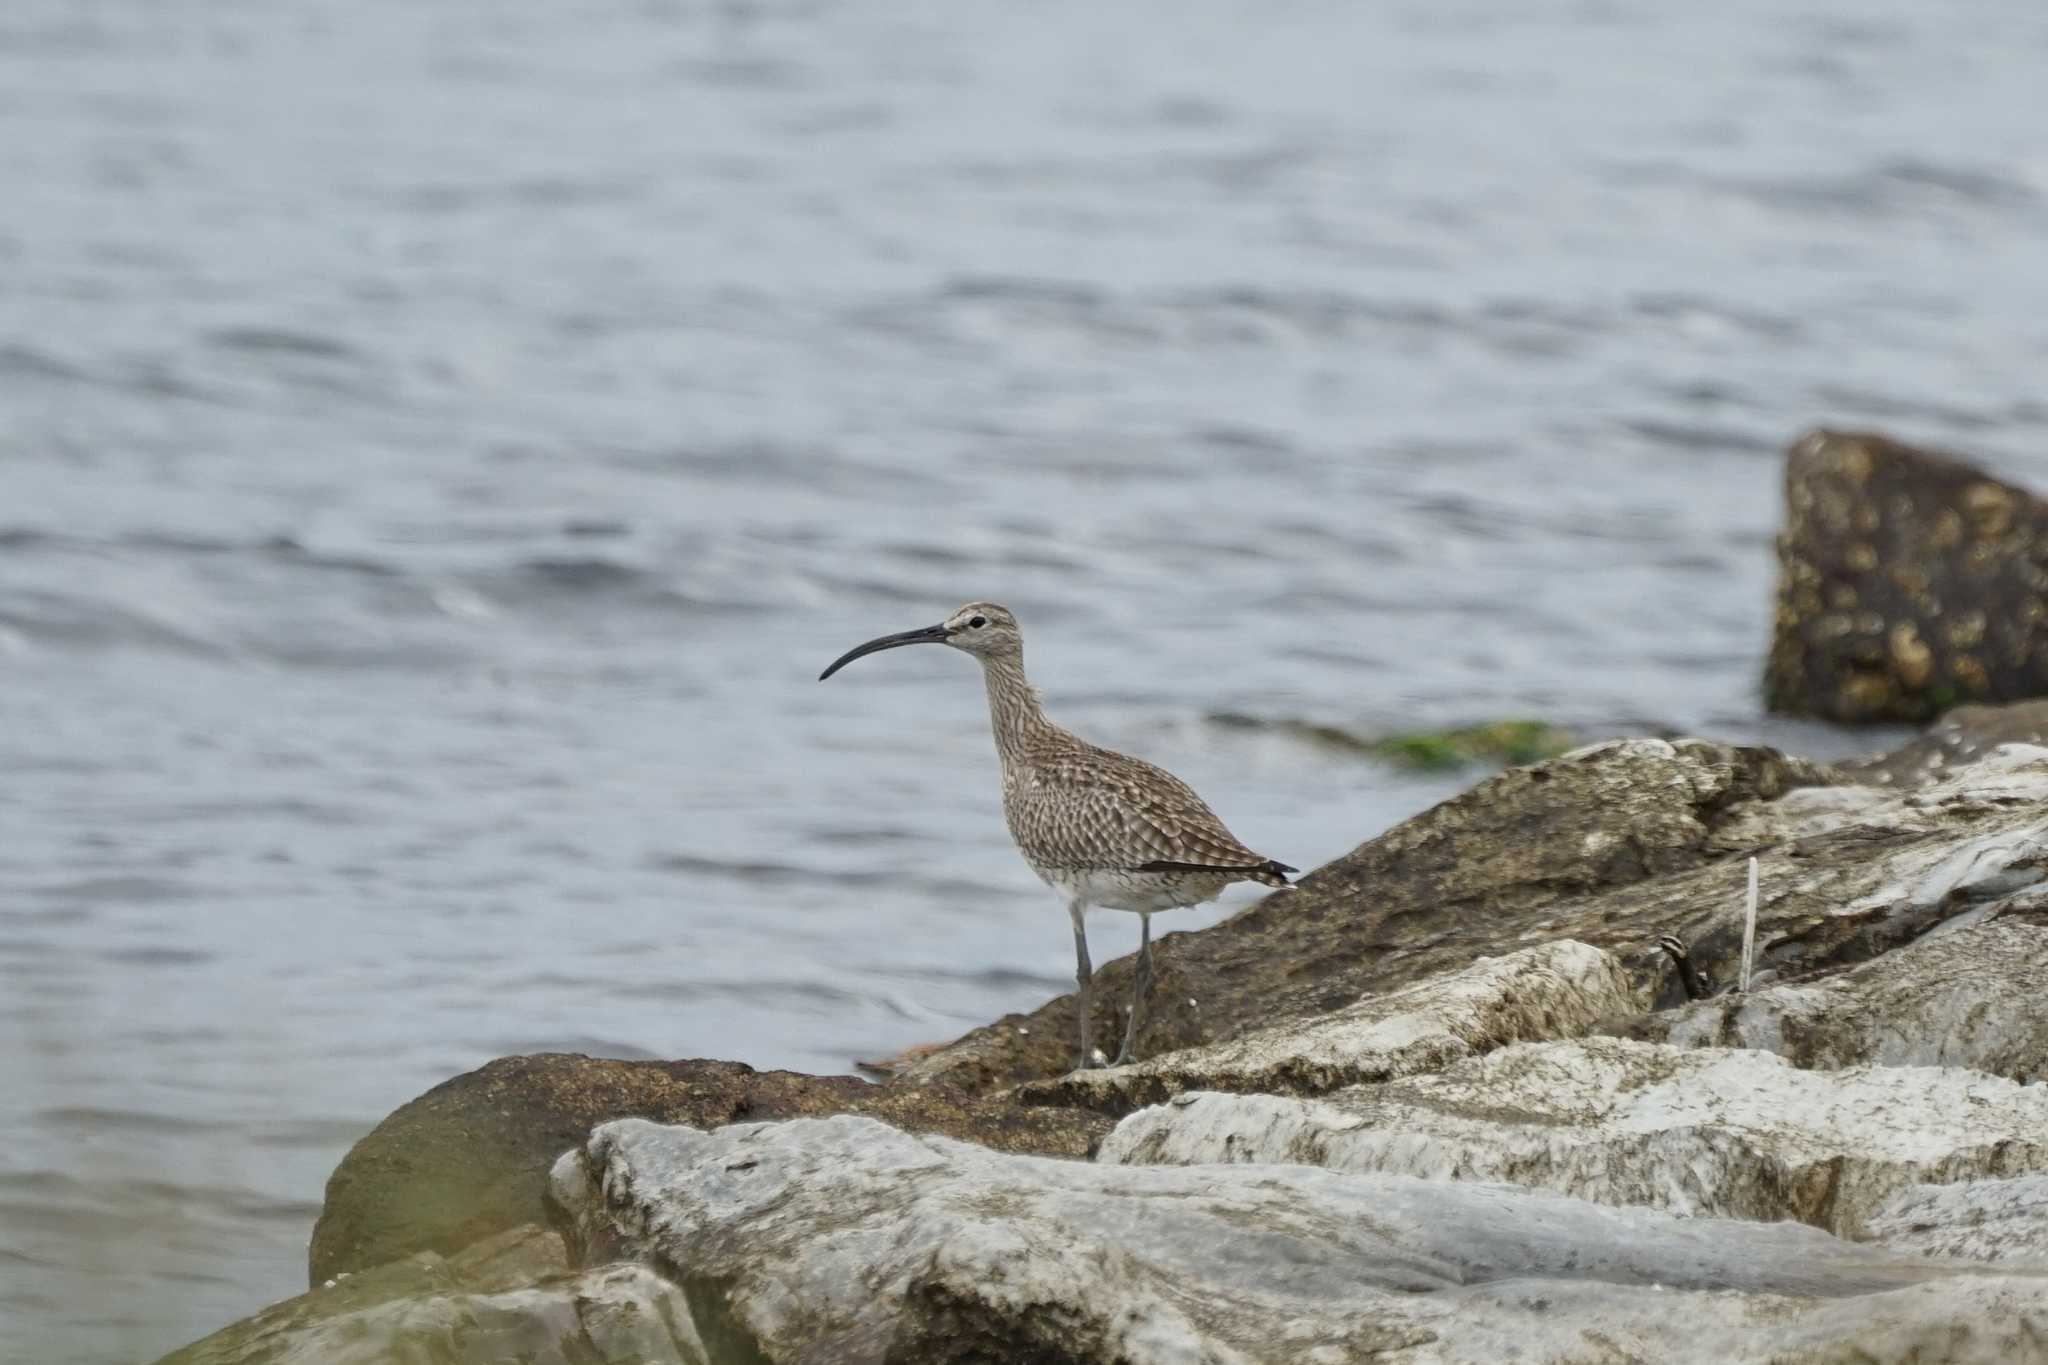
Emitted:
<point x="1072" y="805"/>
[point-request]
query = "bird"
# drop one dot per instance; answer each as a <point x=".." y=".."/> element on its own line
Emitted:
<point x="1104" y="829"/>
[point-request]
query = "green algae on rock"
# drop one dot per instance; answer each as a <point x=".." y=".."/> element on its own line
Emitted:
<point x="1494" y="742"/>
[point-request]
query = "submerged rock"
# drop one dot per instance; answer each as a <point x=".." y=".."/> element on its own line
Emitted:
<point x="1907" y="582"/>
<point x="1965" y="995"/>
<point x="1708" y="1132"/>
<point x="1494" y="743"/>
<point x="1559" y="990"/>
<point x="470" y="1157"/>
<point x="843" y="1240"/>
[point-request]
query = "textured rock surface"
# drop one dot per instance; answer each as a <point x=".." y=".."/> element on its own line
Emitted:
<point x="1983" y="1220"/>
<point x="1966" y="996"/>
<point x="843" y="1240"/>
<point x="616" y="1315"/>
<point x="1518" y="860"/>
<point x="470" y="1157"/>
<point x="1850" y="872"/>
<point x="510" y="1297"/>
<point x="1958" y="739"/>
<point x="1558" y="990"/>
<point x="1722" y="1133"/>
<point x="1611" y="846"/>
<point x="1907" y="582"/>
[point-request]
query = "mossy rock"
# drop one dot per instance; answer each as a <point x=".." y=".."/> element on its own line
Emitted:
<point x="469" y="1158"/>
<point x="1495" y="743"/>
<point x="1499" y="742"/>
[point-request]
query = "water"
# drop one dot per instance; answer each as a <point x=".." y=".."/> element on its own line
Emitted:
<point x="443" y="442"/>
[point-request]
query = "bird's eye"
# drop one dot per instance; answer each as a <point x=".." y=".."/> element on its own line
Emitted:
<point x="978" y="622"/>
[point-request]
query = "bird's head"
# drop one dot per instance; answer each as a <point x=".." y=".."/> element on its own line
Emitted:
<point x="979" y="628"/>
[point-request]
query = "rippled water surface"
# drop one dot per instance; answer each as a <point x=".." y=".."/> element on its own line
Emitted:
<point x="442" y="442"/>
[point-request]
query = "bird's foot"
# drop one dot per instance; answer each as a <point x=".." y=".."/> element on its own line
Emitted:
<point x="1091" y="1060"/>
<point x="1696" y="983"/>
<point x="1124" y="1058"/>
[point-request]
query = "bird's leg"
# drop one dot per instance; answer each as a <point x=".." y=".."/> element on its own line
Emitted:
<point x="1698" y="985"/>
<point x="1141" y="986"/>
<point x="1083" y="1000"/>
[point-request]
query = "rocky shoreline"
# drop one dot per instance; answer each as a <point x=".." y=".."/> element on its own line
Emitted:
<point x="1448" y="1101"/>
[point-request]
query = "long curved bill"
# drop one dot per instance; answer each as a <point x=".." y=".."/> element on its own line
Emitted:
<point x="928" y="635"/>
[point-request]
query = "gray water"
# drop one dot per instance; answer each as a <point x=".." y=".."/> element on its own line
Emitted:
<point x="442" y="443"/>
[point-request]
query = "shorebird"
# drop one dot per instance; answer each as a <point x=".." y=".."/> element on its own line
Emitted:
<point x="1101" y="828"/>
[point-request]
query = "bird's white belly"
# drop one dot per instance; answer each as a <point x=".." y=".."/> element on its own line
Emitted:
<point x="1138" y="892"/>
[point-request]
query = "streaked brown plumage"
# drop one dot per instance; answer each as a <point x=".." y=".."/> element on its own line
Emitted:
<point x="1102" y="828"/>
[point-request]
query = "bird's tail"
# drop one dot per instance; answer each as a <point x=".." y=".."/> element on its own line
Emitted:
<point x="1272" y="873"/>
<point x="1268" y="873"/>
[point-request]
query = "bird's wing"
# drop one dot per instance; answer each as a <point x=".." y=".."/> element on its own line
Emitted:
<point x="1098" y="808"/>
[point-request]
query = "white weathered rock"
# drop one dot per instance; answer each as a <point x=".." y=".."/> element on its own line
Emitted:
<point x="1717" y="1132"/>
<point x="1980" y="1220"/>
<point x="1966" y="995"/>
<point x="1556" y="990"/>
<point x="842" y="1240"/>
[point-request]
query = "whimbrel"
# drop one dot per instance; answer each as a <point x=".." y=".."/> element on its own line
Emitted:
<point x="1101" y="828"/>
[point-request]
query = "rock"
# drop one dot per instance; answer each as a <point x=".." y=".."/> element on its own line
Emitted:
<point x="1982" y="1220"/>
<point x="1611" y="846"/>
<point x="470" y="1157"/>
<point x="843" y="1240"/>
<point x="1558" y="990"/>
<point x="1907" y="582"/>
<point x="614" y="1315"/>
<point x="510" y="1297"/>
<point x="1965" y="995"/>
<point x="1708" y="1132"/>
<point x="1851" y="872"/>
<point x="1517" y="860"/>
<point x="1369" y="974"/>
<point x="1958" y="739"/>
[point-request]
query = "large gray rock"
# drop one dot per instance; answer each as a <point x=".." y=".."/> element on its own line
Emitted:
<point x="1706" y="1132"/>
<point x="1983" y="1220"/>
<point x="842" y="1240"/>
<point x="510" y="1297"/>
<point x="1907" y="582"/>
<point x="1966" y="995"/>
<point x="614" y="1315"/>
<point x="1557" y="990"/>
<point x="1850" y="872"/>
